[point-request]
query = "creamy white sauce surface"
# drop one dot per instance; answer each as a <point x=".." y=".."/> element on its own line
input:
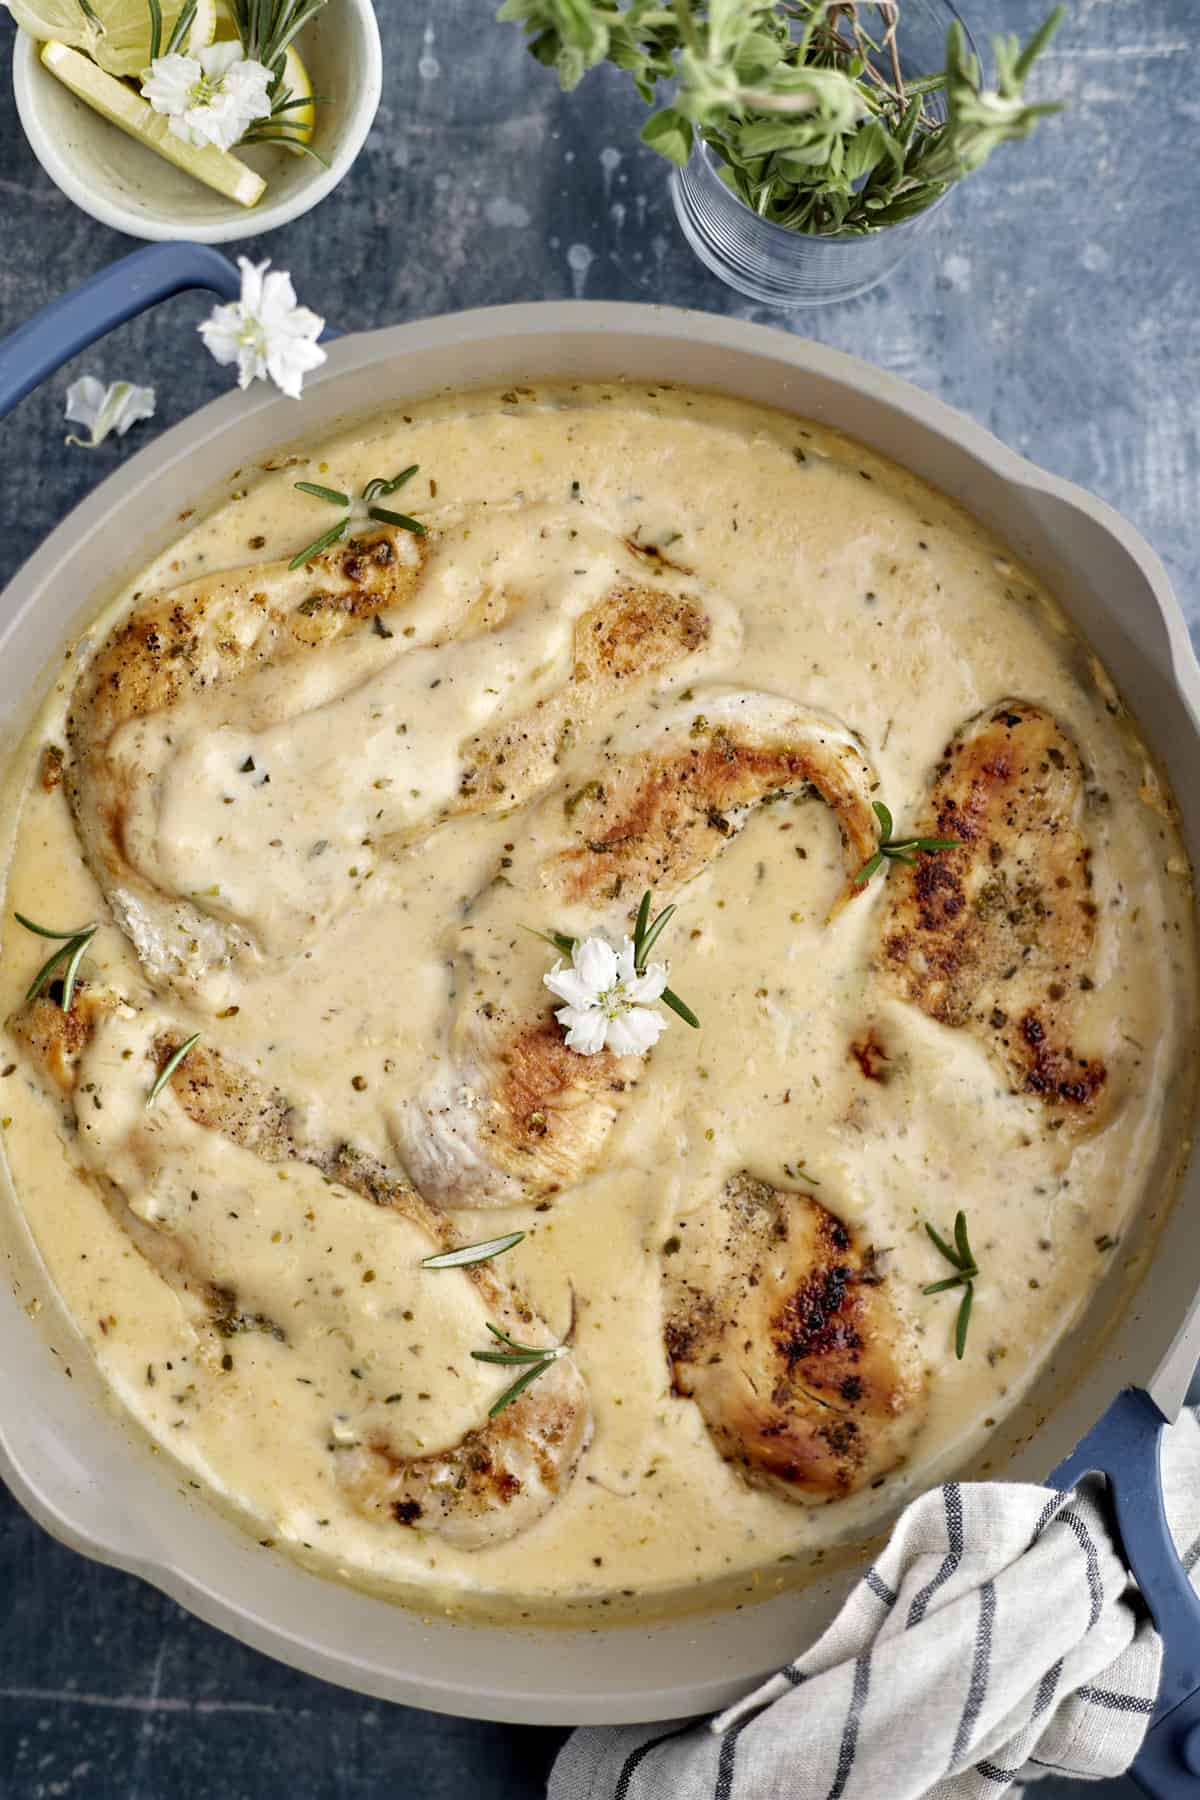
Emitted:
<point x="833" y="578"/>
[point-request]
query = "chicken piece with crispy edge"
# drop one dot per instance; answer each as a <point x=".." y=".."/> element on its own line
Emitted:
<point x="205" y="635"/>
<point x="513" y="1113"/>
<point x="996" y="937"/>
<point x="501" y="1477"/>
<point x="780" y="1328"/>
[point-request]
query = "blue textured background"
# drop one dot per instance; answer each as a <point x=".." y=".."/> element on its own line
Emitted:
<point x="1055" y="301"/>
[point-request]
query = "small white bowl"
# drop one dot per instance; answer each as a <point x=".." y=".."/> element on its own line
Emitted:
<point x="125" y="185"/>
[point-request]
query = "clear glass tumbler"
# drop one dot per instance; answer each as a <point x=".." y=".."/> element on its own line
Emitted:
<point x="794" y="268"/>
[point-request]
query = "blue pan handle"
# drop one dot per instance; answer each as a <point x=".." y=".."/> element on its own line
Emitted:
<point x="40" y="346"/>
<point x="1126" y="1446"/>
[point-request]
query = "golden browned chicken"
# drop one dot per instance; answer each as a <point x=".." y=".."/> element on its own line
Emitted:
<point x="996" y="937"/>
<point x="492" y="1483"/>
<point x="247" y="749"/>
<point x="781" y="1330"/>
<point x="513" y="1112"/>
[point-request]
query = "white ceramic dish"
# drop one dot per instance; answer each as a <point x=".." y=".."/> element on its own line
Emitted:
<point x="84" y="1472"/>
<point x="125" y="185"/>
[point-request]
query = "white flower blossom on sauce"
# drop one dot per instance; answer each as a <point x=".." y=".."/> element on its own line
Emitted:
<point x="608" y="1004"/>
<point x="211" y="98"/>
<point x="106" y="409"/>
<point x="265" y="332"/>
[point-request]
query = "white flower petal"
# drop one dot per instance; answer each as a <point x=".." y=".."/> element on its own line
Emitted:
<point x="265" y="332"/>
<point x="85" y="397"/>
<point x="169" y="82"/>
<point x="106" y="409"/>
<point x="595" y="962"/>
<point x="218" y="59"/>
<point x="585" y="1031"/>
<point x="626" y="969"/>
<point x="635" y="1031"/>
<point x="647" y="987"/>
<point x="567" y="985"/>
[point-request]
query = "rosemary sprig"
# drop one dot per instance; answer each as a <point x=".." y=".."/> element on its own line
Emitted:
<point x="323" y="493"/>
<point x="894" y="849"/>
<point x="169" y="1067"/>
<point x="961" y="1258"/>
<point x="71" y="948"/>
<point x="473" y="1253"/>
<point x="376" y="486"/>
<point x="646" y="933"/>
<point x="394" y="518"/>
<point x="326" y="539"/>
<point x="182" y="26"/>
<point x="534" y="1358"/>
<point x="813" y="120"/>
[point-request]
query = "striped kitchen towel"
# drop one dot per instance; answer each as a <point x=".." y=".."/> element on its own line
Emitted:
<point x="998" y="1638"/>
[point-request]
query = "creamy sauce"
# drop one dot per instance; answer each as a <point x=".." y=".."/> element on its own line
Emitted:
<point x="834" y="578"/>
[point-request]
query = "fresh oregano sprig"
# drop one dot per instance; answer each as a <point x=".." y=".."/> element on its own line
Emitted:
<point x="894" y="849"/>
<point x="70" y="953"/>
<point x="534" y="1358"/>
<point x="334" y="497"/>
<point x="966" y="1272"/>
<point x="805" y="102"/>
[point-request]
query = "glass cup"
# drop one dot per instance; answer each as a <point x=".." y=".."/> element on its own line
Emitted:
<point x="794" y="268"/>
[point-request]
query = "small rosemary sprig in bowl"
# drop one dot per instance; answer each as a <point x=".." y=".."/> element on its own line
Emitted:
<point x="961" y="1258"/>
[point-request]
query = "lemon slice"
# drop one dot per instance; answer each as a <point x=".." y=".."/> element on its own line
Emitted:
<point x="116" y="101"/>
<point x="115" y="33"/>
<point x="303" y="118"/>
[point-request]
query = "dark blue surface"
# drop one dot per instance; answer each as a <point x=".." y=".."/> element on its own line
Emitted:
<point x="1055" y="301"/>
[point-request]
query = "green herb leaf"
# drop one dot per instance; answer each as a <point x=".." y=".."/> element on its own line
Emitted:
<point x="394" y="518"/>
<point x="473" y="1253"/>
<point x="326" y="539"/>
<point x="964" y="1320"/>
<point x="72" y="946"/>
<point x="169" y="1067"/>
<point x="46" y="932"/>
<point x="518" y="1387"/>
<point x="323" y="493"/>
<point x="894" y="849"/>
<point x="378" y="486"/>
<point x="962" y="1260"/>
<point x="816" y="124"/>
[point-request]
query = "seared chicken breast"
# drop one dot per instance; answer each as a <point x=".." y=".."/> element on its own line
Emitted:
<point x="781" y="1330"/>
<point x="228" y="812"/>
<point x="513" y="1112"/>
<point x="491" y="1484"/>
<point x="997" y="936"/>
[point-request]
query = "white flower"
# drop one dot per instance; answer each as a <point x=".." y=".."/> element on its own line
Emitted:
<point x="104" y="409"/>
<point x="211" y="98"/>
<point x="265" y="332"/>
<point x="607" y="1000"/>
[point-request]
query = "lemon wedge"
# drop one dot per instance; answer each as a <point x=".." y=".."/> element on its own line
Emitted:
<point x="118" y="102"/>
<point x="114" y="33"/>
